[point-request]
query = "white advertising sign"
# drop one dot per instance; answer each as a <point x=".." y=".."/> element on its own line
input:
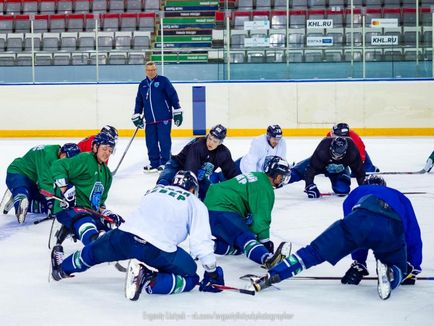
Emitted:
<point x="256" y="24"/>
<point x="257" y="42"/>
<point x="384" y="40"/>
<point x="384" y="22"/>
<point x="319" y="23"/>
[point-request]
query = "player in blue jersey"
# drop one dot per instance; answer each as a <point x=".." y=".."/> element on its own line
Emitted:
<point x="377" y="218"/>
<point x="377" y="186"/>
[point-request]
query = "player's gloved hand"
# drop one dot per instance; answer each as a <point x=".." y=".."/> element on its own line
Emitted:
<point x="68" y="197"/>
<point x="210" y="278"/>
<point x="205" y="171"/>
<point x="267" y="243"/>
<point x="138" y="120"/>
<point x="117" y="219"/>
<point x="177" y="117"/>
<point x="312" y="191"/>
<point x="354" y="274"/>
<point x="411" y="276"/>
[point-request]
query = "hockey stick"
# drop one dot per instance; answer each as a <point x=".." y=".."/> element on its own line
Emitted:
<point x="76" y="209"/>
<point x="230" y="288"/>
<point x="125" y="152"/>
<point x="248" y="277"/>
<point x="329" y="194"/>
<point x="47" y="218"/>
<point x="398" y="172"/>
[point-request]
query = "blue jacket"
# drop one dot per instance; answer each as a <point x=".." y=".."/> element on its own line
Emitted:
<point x="402" y="206"/>
<point x="157" y="98"/>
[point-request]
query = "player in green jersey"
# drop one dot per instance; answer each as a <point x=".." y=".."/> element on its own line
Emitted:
<point x="83" y="183"/>
<point x="240" y="212"/>
<point x="28" y="174"/>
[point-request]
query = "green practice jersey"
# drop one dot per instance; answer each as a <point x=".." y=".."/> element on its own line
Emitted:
<point x="35" y="165"/>
<point x="92" y="180"/>
<point x="250" y="193"/>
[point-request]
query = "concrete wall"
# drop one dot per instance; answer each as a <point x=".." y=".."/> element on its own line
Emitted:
<point x="246" y="108"/>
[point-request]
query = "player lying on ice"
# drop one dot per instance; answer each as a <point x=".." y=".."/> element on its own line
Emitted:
<point x="152" y="235"/>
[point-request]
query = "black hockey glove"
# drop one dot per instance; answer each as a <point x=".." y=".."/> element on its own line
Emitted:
<point x="117" y="219"/>
<point x="68" y="197"/>
<point x="411" y="276"/>
<point x="312" y="191"/>
<point x="355" y="274"/>
<point x="210" y="278"/>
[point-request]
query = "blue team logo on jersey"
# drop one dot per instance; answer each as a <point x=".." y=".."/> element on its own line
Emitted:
<point x="156" y="84"/>
<point x="96" y="194"/>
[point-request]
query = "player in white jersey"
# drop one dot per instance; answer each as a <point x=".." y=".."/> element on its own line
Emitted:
<point x="166" y="216"/>
<point x="270" y="144"/>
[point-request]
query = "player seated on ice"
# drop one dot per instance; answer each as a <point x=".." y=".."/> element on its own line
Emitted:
<point x="262" y="146"/>
<point x="376" y="218"/>
<point x="202" y="156"/>
<point x="83" y="183"/>
<point x="333" y="157"/>
<point x="429" y="163"/>
<point x="343" y="130"/>
<point x="28" y="174"/>
<point x="374" y="184"/>
<point x="85" y="145"/>
<point x="165" y="217"/>
<point x="240" y="213"/>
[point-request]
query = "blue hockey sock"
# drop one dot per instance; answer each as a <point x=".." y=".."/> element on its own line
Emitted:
<point x="223" y="248"/>
<point x="310" y="256"/>
<point x="168" y="283"/>
<point x="75" y="263"/>
<point x="287" y="268"/>
<point x="256" y="251"/>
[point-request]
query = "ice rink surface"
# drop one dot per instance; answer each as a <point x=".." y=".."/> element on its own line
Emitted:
<point x="96" y="296"/>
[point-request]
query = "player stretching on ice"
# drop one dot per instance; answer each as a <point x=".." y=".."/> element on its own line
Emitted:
<point x="83" y="183"/>
<point x="376" y="185"/>
<point x="202" y="156"/>
<point x="240" y="213"/>
<point x="28" y="174"/>
<point x="332" y="157"/>
<point x="270" y="144"/>
<point x="166" y="216"/>
<point x="376" y="221"/>
<point x="343" y="130"/>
